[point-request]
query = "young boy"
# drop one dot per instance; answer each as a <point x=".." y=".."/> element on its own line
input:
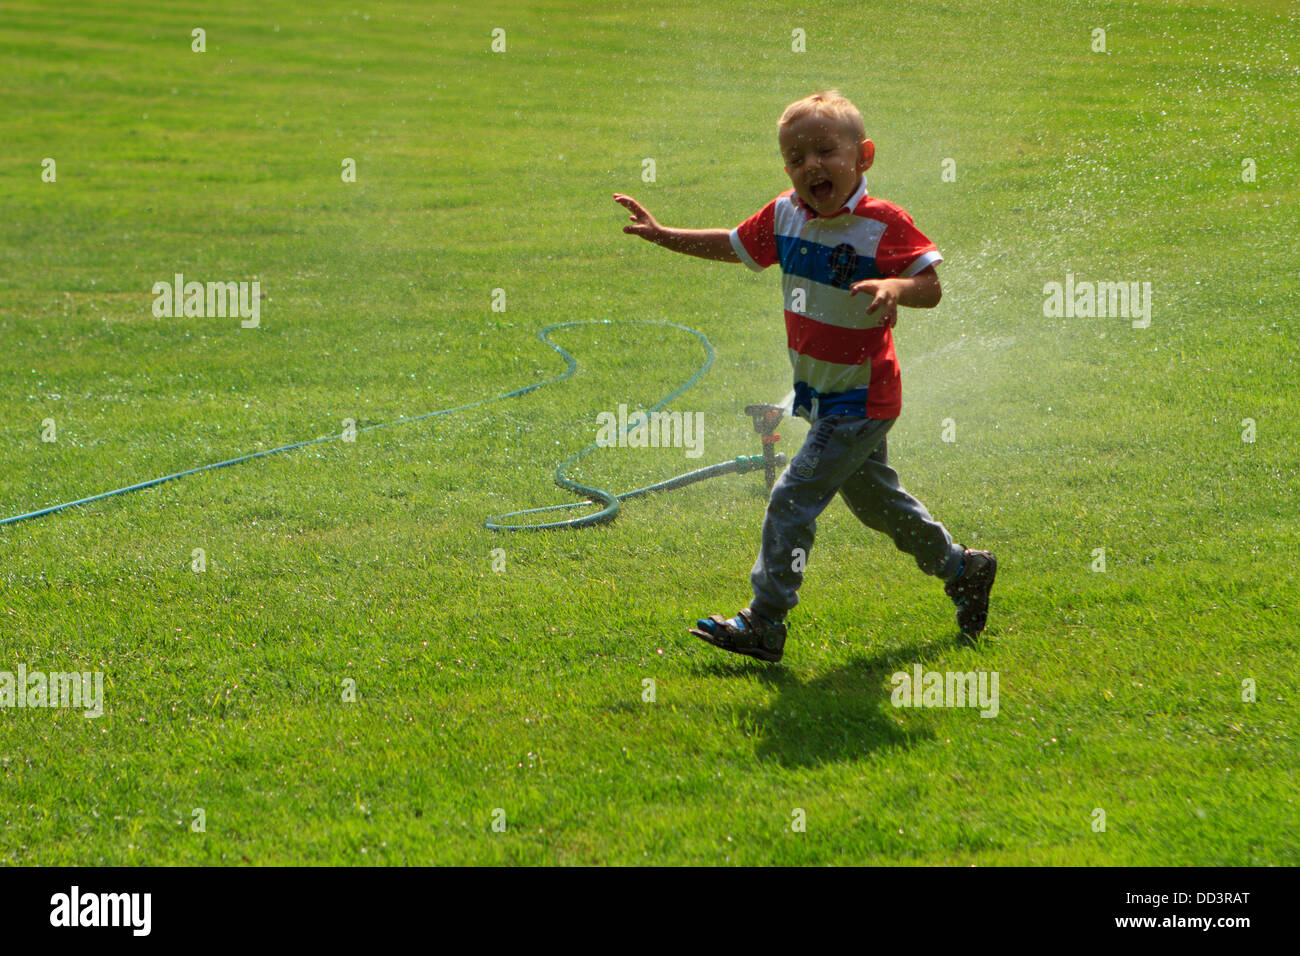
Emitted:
<point x="833" y="241"/>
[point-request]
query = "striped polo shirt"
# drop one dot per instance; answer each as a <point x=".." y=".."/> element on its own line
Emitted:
<point x="844" y="362"/>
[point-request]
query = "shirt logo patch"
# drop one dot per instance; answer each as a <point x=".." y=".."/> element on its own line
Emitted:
<point x="844" y="265"/>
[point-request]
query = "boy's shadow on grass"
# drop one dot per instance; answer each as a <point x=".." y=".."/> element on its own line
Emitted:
<point x="845" y="714"/>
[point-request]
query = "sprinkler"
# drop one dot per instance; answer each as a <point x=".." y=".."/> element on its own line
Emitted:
<point x="766" y="418"/>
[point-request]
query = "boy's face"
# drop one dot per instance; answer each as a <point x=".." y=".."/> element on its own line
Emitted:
<point x="823" y="161"/>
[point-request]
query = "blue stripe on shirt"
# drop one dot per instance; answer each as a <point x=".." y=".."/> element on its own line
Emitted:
<point x="853" y="402"/>
<point x="812" y="260"/>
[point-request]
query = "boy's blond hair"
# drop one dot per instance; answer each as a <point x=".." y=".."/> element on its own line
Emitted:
<point x="829" y="104"/>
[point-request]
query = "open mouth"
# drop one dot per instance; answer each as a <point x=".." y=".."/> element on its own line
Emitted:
<point x="822" y="191"/>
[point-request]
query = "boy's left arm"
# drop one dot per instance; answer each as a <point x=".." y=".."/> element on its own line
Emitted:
<point x="921" y="291"/>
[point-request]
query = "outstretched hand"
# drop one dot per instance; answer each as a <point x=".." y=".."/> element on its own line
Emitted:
<point x="884" y="294"/>
<point x="643" y="224"/>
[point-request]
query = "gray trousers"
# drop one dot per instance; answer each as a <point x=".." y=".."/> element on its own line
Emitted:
<point x="848" y="455"/>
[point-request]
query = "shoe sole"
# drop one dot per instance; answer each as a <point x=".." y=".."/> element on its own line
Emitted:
<point x="758" y="653"/>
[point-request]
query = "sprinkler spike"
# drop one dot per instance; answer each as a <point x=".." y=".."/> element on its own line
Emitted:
<point x="766" y="418"/>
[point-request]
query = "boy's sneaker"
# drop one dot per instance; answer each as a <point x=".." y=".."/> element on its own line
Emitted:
<point x="747" y="633"/>
<point x="970" y="592"/>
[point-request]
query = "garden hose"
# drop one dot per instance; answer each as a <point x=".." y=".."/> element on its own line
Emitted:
<point x="607" y="501"/>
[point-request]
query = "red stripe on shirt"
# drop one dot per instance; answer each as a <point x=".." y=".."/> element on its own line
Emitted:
<point x="833" y="343"/>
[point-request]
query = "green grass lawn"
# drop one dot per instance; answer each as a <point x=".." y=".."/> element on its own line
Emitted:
<point x="366" y="564"/>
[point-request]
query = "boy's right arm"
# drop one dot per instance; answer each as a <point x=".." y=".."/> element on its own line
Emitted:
<point x="706" y="243"/>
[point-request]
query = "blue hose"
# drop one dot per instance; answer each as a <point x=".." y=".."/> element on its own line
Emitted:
<point x="608" y="501"/>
